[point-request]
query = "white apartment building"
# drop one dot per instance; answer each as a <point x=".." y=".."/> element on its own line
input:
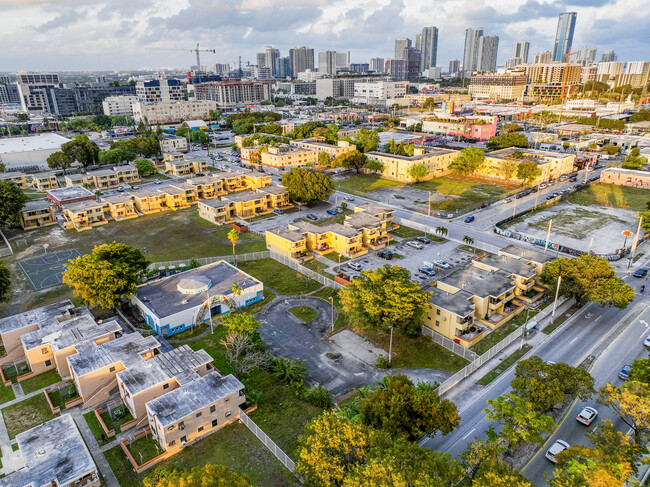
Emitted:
<point x="174" y="111"/>
<point x="379" y="92"/>
<point x="115" y="106"/>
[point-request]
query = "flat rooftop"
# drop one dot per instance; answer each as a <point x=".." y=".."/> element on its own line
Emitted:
<point x="511" y="265"/>
<point x="274" y="190"/>
<point x="243" y="196"/>
<point x="337" y="228"/>
<point x="11" y="175"/>
<point x="78" y="206"/>
<point x="50" y="141"/>
<point x="361" y="219"/>
<point x="193" y="396"/>
<point x="285" y="233"/>
<point x="43" y="175"/>
<point x="74" y="331"/>
<point x="533" y="154"/>
<point x="69" y="193"/>
<point x="100" y="173"/>
<point x="214" y="203"/>
<point x="479" y="282"/>
<point x="36" y="205"/>
<point x="626" y="172"/>
<point x="457" y="303"/>
<point x="163" y="298"/>
<point x="526" y="254"/>
<point x="54" y="453"/>
<point x="43" y="316"/>
<point x="430" y="152"/>
<point x="373" y="208"/>
<point x="115" y="199"/>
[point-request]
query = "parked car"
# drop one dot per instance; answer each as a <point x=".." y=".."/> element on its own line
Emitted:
<point x="428" y="271"/>
<point x="519" y="195"/>
<point x="331" y="212"/>
<point x="296" y="220"/>
<point x="587" y="415"/>
<point x="558" y="447"/>
<point x="338" y="210"/>
<point x="415" y="244"/>
<point x="469" y="219"/>
<point x="423" y="240"/>
<point x="542" y="186"/>
<point x="442" y="264"/>
<point x="354" y="266"/>
<point x="573" y="179"/>
<point x="625" y="372"/>
<point x="278" y="211"/>
<point x="385" y="254"/>
<point x="348" y="198"/>
<point x="564" y="177"/>
<point x="640" y="273"/>
<point x="646" y="342"/>
<point x="156" y="181"/>
<point x="509" y="200"/>
<point x="485" y="205"/>
<point x="550" y="197"/>
<point x="312" y="217"/>
<point x="121" y="189"/>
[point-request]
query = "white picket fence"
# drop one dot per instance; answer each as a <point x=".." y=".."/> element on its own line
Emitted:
<point x="268" y="442"/>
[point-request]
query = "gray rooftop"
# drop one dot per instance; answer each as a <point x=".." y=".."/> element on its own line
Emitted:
<point x="193" y="396"/>
<point x="125" y="167"/>
<point x="178" y="362"/>
<point x="214" y="203"/>
<point x="526" y="254"/>
<point x="243" y="196"/>
<point x="479" y="282"/>
<point x="361" y="219"/>
<point x="457" y="303"/>
<point x="181" y="162"/>
<point x="34" y="205"/>
<point x="69" y="193"/>
<point x="373" y="208"/>
<point x="431" y="152"/>
<point x="102" y="173"/>
<point x="84" y="205"/>
<point x="54" y="453"/>
<point x="44" y="175"/>
<point x="287" y="234"/>
<point x="510" y="265"/>
<point x="43" y="316"/>
<point x="117" y="198"/>
<point x="535" y="155"/>
<point x="276" y="190"/>
<point x="337" y="228"/>
<point x="74" y="331"/>
<point x="163" y="298"/>
<point x="11" y="175"/>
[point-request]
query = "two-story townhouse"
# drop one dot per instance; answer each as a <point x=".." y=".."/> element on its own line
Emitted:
<point x="18" y="178"/>
<point x="288" y="243"/>
<point x="104" y="178"/>
<point x="398" y="167"/>
<point x="523" y="274"/>
<point x="127" y="173"/>
<point x="386" y="215"/>
<point x="372" y="229"/>
<point x="149" y="201"/>
<point x="276" y="196"/>
<point x="248" y="204"/>
<point x="331" y="238"/>
<point x="189" y="192"/>
<point x="216" y="211"/>
<point x="83" y="215"/>
<point x="175" y="198"/>
<point x="120" y="206"/>
<point x="44" y="181"/>
<point x="452" y="315"/>
<point x="36" y="214"/>
<point x="78" y="180"/>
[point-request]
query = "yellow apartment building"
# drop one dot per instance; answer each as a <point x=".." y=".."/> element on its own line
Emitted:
<point x="248" y="204"/>
<point x="197" y="409"/>
<point x="452" y="315"/>
<point x="331" y="238"/>
<point x="285" y="157"/>
<point x="397" y="167"/>
<point x="127" y="173"/>
<point x="44" y="181"/>
<point x="216" y="211"/>
<point x="120" y="206"/>
<point x="175" y="198"/>
<point x="288" y="243"/>
<point x="232" y="182"/>
<point x="531" y="257"/>
<point x="149" y="201"/>
<point x="18" y="178"/>
<point x="173" y="156"/>
<point x="77" y="179"/>
<point x="104" y="178"/>
<point x="256" y="180"/>
<point x="386" y="215"/>
<point x="373" y="230"/>
<point x="251" y="154"/>
<point x="522" y="273"/>
<point x="37" y="214"/>
<point x="551" y="164"/>
<point x="277" y="196"/>
<point x="83" y="215"/>
<point x="318" y="144"/>
<point x="182" y="167"/>
<point x="190" y="191"/>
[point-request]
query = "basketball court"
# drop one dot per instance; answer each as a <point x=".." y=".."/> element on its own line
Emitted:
<point x="47" y="271"/>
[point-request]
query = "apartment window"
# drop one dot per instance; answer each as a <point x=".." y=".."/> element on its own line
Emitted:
<point x="181" y="425"/>
<point x="198" y="415"/>
<point x="213" y="409"/>
<point x="44" y="351"/>
<point x="112" y="369"/>
<point x="228" y="413"/>
<point x="438" y="312"/>
<point x="428" y="317"/>
<point x="200" y="429"/>
<point x="48" y="363"/>
<point x="171" y="443"/>
<point x="226" y="399"/>
<point x="214" y="423"/>
<point x="165" y="386"/>
<point x="437" y="323"/>
<point x="183" y="439"/>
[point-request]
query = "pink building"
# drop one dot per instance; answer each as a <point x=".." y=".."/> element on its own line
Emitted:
<point x="626" y="177"/>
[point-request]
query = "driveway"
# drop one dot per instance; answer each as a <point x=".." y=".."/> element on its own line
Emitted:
<point x="337" y="364"/>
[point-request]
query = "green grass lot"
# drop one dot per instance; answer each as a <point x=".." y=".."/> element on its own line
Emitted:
<point x="408" y="232"/>
<point x="6" y="394"/>
<point x="468" y="194"/>
<point x="304" y="313"/>
<point x="40" y="381"/>
<point x="503" y="366"/>
<point x="361" y="184"/>
<point x="500" y="333"/>
<point x="336" y="257"/>
<point x="610" y="195"/>
<point x="26" y="414"/>
<point x="94" y="426"/>
<point x="279" y="277"/>
<point x="319" y="267"/>
<point x="234" y="446"/>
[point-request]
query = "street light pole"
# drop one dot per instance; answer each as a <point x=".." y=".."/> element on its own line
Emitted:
<point x="557" y="292"/>
<point x="523" y="332"/>
<point x="390" y="346"/>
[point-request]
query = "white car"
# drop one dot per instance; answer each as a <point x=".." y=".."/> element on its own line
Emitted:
<point x="558" y="447"/>
<point x="354" y="266"/>
<point x="646" y="342"/>
<point x="415" y="244"/>
<point x="442" y="264"/>
<point x="587" y="416"/>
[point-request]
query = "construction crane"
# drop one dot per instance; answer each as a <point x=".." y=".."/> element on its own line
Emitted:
<point x="196" y="50"/>
<point x="565" y="74"/>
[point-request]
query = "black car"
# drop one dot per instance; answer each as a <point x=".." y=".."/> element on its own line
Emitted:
<point x="573" y="179"/>
<point x="423" y="240"/>
<point x="640" y="273"/>
<point x="385" y="254"/>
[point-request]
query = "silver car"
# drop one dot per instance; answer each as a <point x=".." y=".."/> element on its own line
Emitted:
<point x="558" y="447"/>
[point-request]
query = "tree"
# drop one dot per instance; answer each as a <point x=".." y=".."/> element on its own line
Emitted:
<point x="144" y="166"/>
<point x="116" y="156"/>
<point x="374" y="166"/>
<point x="507" y="168"/>
<point x="391" y="147"/>
<point x="386" y="297"/>
<point x="511" y="127"/>
<point x="244" y="323"/>
<point x="469" y="241"/>
<point x="290" y="371"/>
<point x="233" y="236"/>
<point x="3" y="168"/>
<point x="405" y="410"/>
<point x="640" y="371"/>
<point x="305" y="186"/>
<point x="468" y="161"/>
<point x="324" y="159"/>
<point x="22" y="117"/>
<point x="82" y="150"/>
<point x="148" y="146"/>
<point x="640" y="116"/>
<point x="528" y="171"/>
<point x="12" y="201"/>
<point x="566" y="144"/>
<point x="351" y="160"/>
<point x="611" y="150"/>
<point x="588" y="278"/>
<point x="631" y="403"/>
<point x="5" y="283"/>
<point x="581" y="466"/>
<point x="442" y="231"/>
<point x="547" y="385"/>
<point x="510" y="139"/>
<point x="521" y="422"/>
<point x="366" y="140"/>
<point x="634" y="160"/>
<point x="243" y="355"/>
<point x="208" y="475"/>
<point x="418" y="171"/>
<point x="103" y="277"/>
<point x="59" y="160"/>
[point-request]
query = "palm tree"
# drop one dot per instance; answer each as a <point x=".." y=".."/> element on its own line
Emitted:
<point x="233" y="236"/>
<point x="469" y="241"/>
<point x="442" y="231"/>
<point x="237" y="290"/>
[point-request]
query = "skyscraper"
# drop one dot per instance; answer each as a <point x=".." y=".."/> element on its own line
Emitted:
<point x="543" y="57"/>
<point x="520" y="51"/>
<point x="400" y="45"/>
<point x="377" y="65"/>
<point x="327" y="62"/>
<point x="471" y="49"/>
<point x="586" y="55"/>
<point x="261" y="60"/>
<point x="418" y="42"/>
<point x="454" y="66"/>
<point x="302" y="59"/>
<point x="608" y="57"/>
<point x="429" y="48"/>
<point x="342" y="59"/>
<point x="566" y="25"/>
<point x="271" y="55"/>
<point x="488" y="47"/>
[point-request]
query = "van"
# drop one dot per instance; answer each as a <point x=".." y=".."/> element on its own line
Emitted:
<point x="354" y="266"/>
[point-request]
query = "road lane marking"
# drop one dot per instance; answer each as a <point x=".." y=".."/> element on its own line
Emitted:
<point x="472" y="431"/>
<point x="598" y="318"/>
<point x="643" y="334"/>
<point x="571" y="342"/>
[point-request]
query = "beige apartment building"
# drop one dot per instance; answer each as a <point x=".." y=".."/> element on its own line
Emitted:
<point x="551" y="164"/>
<point x="283" y="157"/>
<point x="181" y="167"/>
<point x="173" y="143"/>
<point x="216" y="211"/>
<point x="397" y="167"/>
<point x="104" y="178"/>
<point x="120" y="206"/>
<point x="127" y="173"/>
<point x="83" y="215"/>
<point x="43" y="181"/>
<point x="509" y="86"/>
<point x="318" y="144"/>
<point x="150" y="201"/>
<point x="37" y="214"/>
<point x="173" y="111"/>
<point x="288" y="243"/>
<point x="331" y="238"/>
<point x="77" y="180"/>
<point x="18" y="178"/>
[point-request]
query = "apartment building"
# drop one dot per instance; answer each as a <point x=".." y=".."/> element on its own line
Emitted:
<point x="173" y="111"/>
<point x="159" y="90"/>
<point x="452" y="315"/>
<point x="176" y="303"/>
<point x="120" y="206"/>
<point x="248" y="204"/>
<point x="149" y="201"/>
<point x="173" y="143"/>
<point x="181" y="167"/>
<point x="374" y="232"/>
<point x="283" y="157"/>
<point x="533" y="258"/>
<point x="216" y="211"/>
<point x="521" y="272"/>
<point x="330" y="238"/>
<point x="72" y="180"/>
<point x="498" y="86"/>
<point x="551" y="164"/>
<point x="44" y="181"/>
<point x="277" y="197"/>
<point x="18" y="178"/>
<point x="386" y="215"/>
<point x="318" y="144"/>
<point x="397" y="167"/>
<point x="288" y="243"/>
<point x="481" y="128"/>
<point x="36" y="214"/>
<point x="115" y="106"/>
<point x="104" y="178"/>
<point x="83" y="215"/>
<point x="54" y="454"/>
<point x="379" y="93"/>
<point x="199" y="407"/>
<point x="231" y="94"/>
<point x="545" y="80"/>
<point x="127" y="173"/>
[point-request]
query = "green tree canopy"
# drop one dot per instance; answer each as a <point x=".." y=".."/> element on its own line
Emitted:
<point x="374" y="165"/>
<point x="305" y="186"/>
<point x="116" y="156"/>
<point x="510" y="139"/>
<point x="418" y="171"/>
<point x="611" y="150"/>
<point x="144" y="166"/>
<point x="12" y="201"/>
<point x="208" y="475"/>
<point x="103" y="277"/>
<point x="528" y="171"/>
<point x="588" y="278"/>
<point x="405" y="410"/>
<point x="366" y="140"/>
<point x="386" y="297"/>
<point x="324" y="159"/>
<point x="82" y="149"/>
<point x="351" y="160"/>
<point x="59" y="160"/>
<point x="5" y="282"/>
<point x="521" y="422"/>
<point x="511" y="127"/>
<point x="468" y="161"/>
<point x="244" y="323"/>
<point x="640" y="116"/>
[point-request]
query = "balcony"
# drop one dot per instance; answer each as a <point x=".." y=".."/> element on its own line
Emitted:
<point x="470" y="336"/>
<point x="509" y="311"/>
<point x="379" y="243"/>
<point x="533" y="294"/>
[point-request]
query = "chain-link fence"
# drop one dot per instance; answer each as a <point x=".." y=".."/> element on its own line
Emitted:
<point x="268" y="442"/>
<point x="307" y="272"/>
<point x="493" y="249"/>
<point x="179" y="264"/>
<point x="443" y="341"/>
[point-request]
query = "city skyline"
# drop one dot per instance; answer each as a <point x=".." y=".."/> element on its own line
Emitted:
<point x="119" y="35"/>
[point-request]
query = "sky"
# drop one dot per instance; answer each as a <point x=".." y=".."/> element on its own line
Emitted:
<point x="91" y="35"/>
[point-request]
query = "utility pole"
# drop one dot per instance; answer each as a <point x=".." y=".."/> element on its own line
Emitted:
<point x="548" y="234"/>
<point x="332" y="301"/>
<point x="634" y="243"/>
<point x="390" y="346"/>
<point x="557" y="292"/>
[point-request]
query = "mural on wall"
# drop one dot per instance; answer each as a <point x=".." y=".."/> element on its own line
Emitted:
<point x="202" y="313"/>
